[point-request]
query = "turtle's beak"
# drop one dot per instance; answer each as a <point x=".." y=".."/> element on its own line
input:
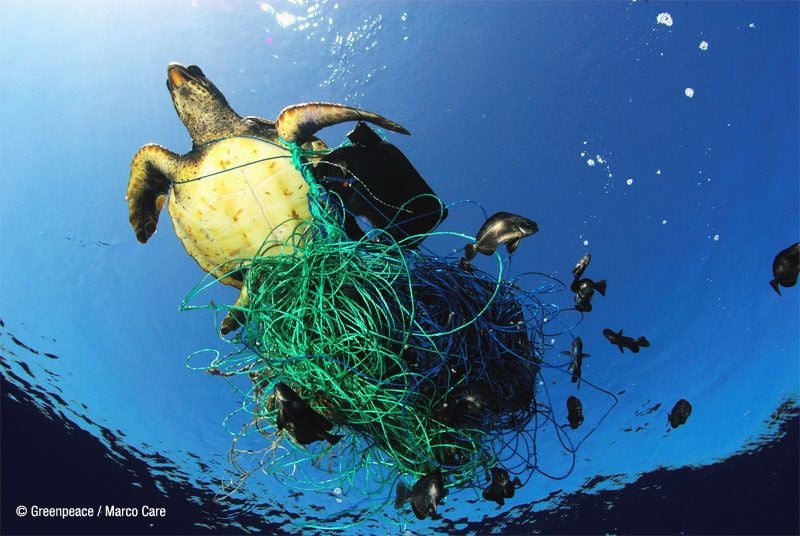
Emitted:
<point x="177" y="75"/>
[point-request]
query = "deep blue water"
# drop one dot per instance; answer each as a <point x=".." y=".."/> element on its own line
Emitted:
<point x="686" y="204"/>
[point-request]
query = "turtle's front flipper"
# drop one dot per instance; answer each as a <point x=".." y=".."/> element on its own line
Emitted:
<point x="298" y="123"/>
<point x="152" y="170"/>
<point x="235" y="317"/>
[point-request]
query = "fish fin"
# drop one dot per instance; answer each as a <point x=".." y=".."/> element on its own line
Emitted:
<point x="512" y="246"/>
<point x="281" y="421"/>
<point x="621" y="348"/>
<point x="470" y="250"/>
<point x="566" y="352"/>
<point x="774" y="285"/>
<point x="333" y="438"/>
<point x="402" y="495"/>
<point x="641" y="341"/>
<point x="586" y="355"/>
<point x="600" y="286"/>
<point x="634" y="348"/>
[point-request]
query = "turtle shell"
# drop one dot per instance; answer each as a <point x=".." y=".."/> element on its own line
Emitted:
<point x="238" y="198"/>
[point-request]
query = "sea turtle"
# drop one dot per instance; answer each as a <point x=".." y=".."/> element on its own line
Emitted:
<point x="237" y="185"/>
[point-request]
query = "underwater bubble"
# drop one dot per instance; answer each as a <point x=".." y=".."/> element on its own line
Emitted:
<point x="664" y="18"/>
<point x="689" y="92"/>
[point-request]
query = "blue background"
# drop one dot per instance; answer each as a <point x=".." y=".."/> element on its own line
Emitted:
<point x="506" y="103"/>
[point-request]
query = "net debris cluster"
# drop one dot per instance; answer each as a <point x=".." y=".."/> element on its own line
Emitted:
<point x="420" y="363"/>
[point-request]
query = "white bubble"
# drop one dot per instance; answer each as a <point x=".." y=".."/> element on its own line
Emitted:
<point x="658" y="172"/>
<point x="583" y="153"/>
<point x="751" y="25"/>
<point x="585" y="142"/>
<point x="600" y="159"/>
<point x="703" y="45"/>
<point x="663" y="222"/>
<point x="629" y="182"/>
<point x="585" y="242"/>
<point x="337" y="491"/>
<point x="689" y="92"/>
<point x="716" y="238"/>
<point x="664" y="18"/>
<point x="590" y="162"/>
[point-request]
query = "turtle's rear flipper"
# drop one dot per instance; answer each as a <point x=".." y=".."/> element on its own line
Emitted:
<point x="150" y="180"/>
<point x="235" y="317"/>
<point x="299" y="122"/>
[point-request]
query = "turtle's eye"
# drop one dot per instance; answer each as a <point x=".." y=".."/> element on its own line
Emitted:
<point x="194" y="70"/>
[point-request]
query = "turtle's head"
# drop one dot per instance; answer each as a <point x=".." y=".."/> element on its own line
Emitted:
<point x="200" y="105"/>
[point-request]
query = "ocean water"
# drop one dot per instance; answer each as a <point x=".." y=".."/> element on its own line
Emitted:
<point x="666" y="146"/>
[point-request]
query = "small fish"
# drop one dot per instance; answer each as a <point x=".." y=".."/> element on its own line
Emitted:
<point x="626" y="342"/>
<point x="679" y="413"/>
<point x="785" y="268"/>
<point x="583" y="287"/>
<point x="577" y="360"/>
<point x="424" y="495"/>
<point x="470" y="404"/>
<point x="501" y="487"/>
<point x="574" y="412"/>
<point x="581" y="266"/>
<point x="302" y="422"/>
<point x="500" y="228"/>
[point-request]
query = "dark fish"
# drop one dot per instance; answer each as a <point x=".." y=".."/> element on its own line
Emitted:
<point x="470" y="404"/>
<point x="576" y="352"/>
<point x="302" y="422"/>
<point x="500" y="228"/>
<point x="501" y="487"/>
<point x="581" y="266"/>
<point x="574" y="412"/>
<point x="424" y="495"/>
<point x="785" y="267"/>
<point x="680" y="413"/>
<point x="583" y="287"/>
<point x="375" y="181"/>
<point x="626" y="342"/>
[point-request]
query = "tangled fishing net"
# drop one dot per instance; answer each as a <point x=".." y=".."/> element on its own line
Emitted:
<point x="420" y="363"/>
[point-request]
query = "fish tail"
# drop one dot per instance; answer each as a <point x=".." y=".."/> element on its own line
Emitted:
<point x="600" y="286"/>
<point x="774" y="285"/>
<point x="641" y="341"/>
<point x="333" y="438"/>
<point x="402" y="495"/>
